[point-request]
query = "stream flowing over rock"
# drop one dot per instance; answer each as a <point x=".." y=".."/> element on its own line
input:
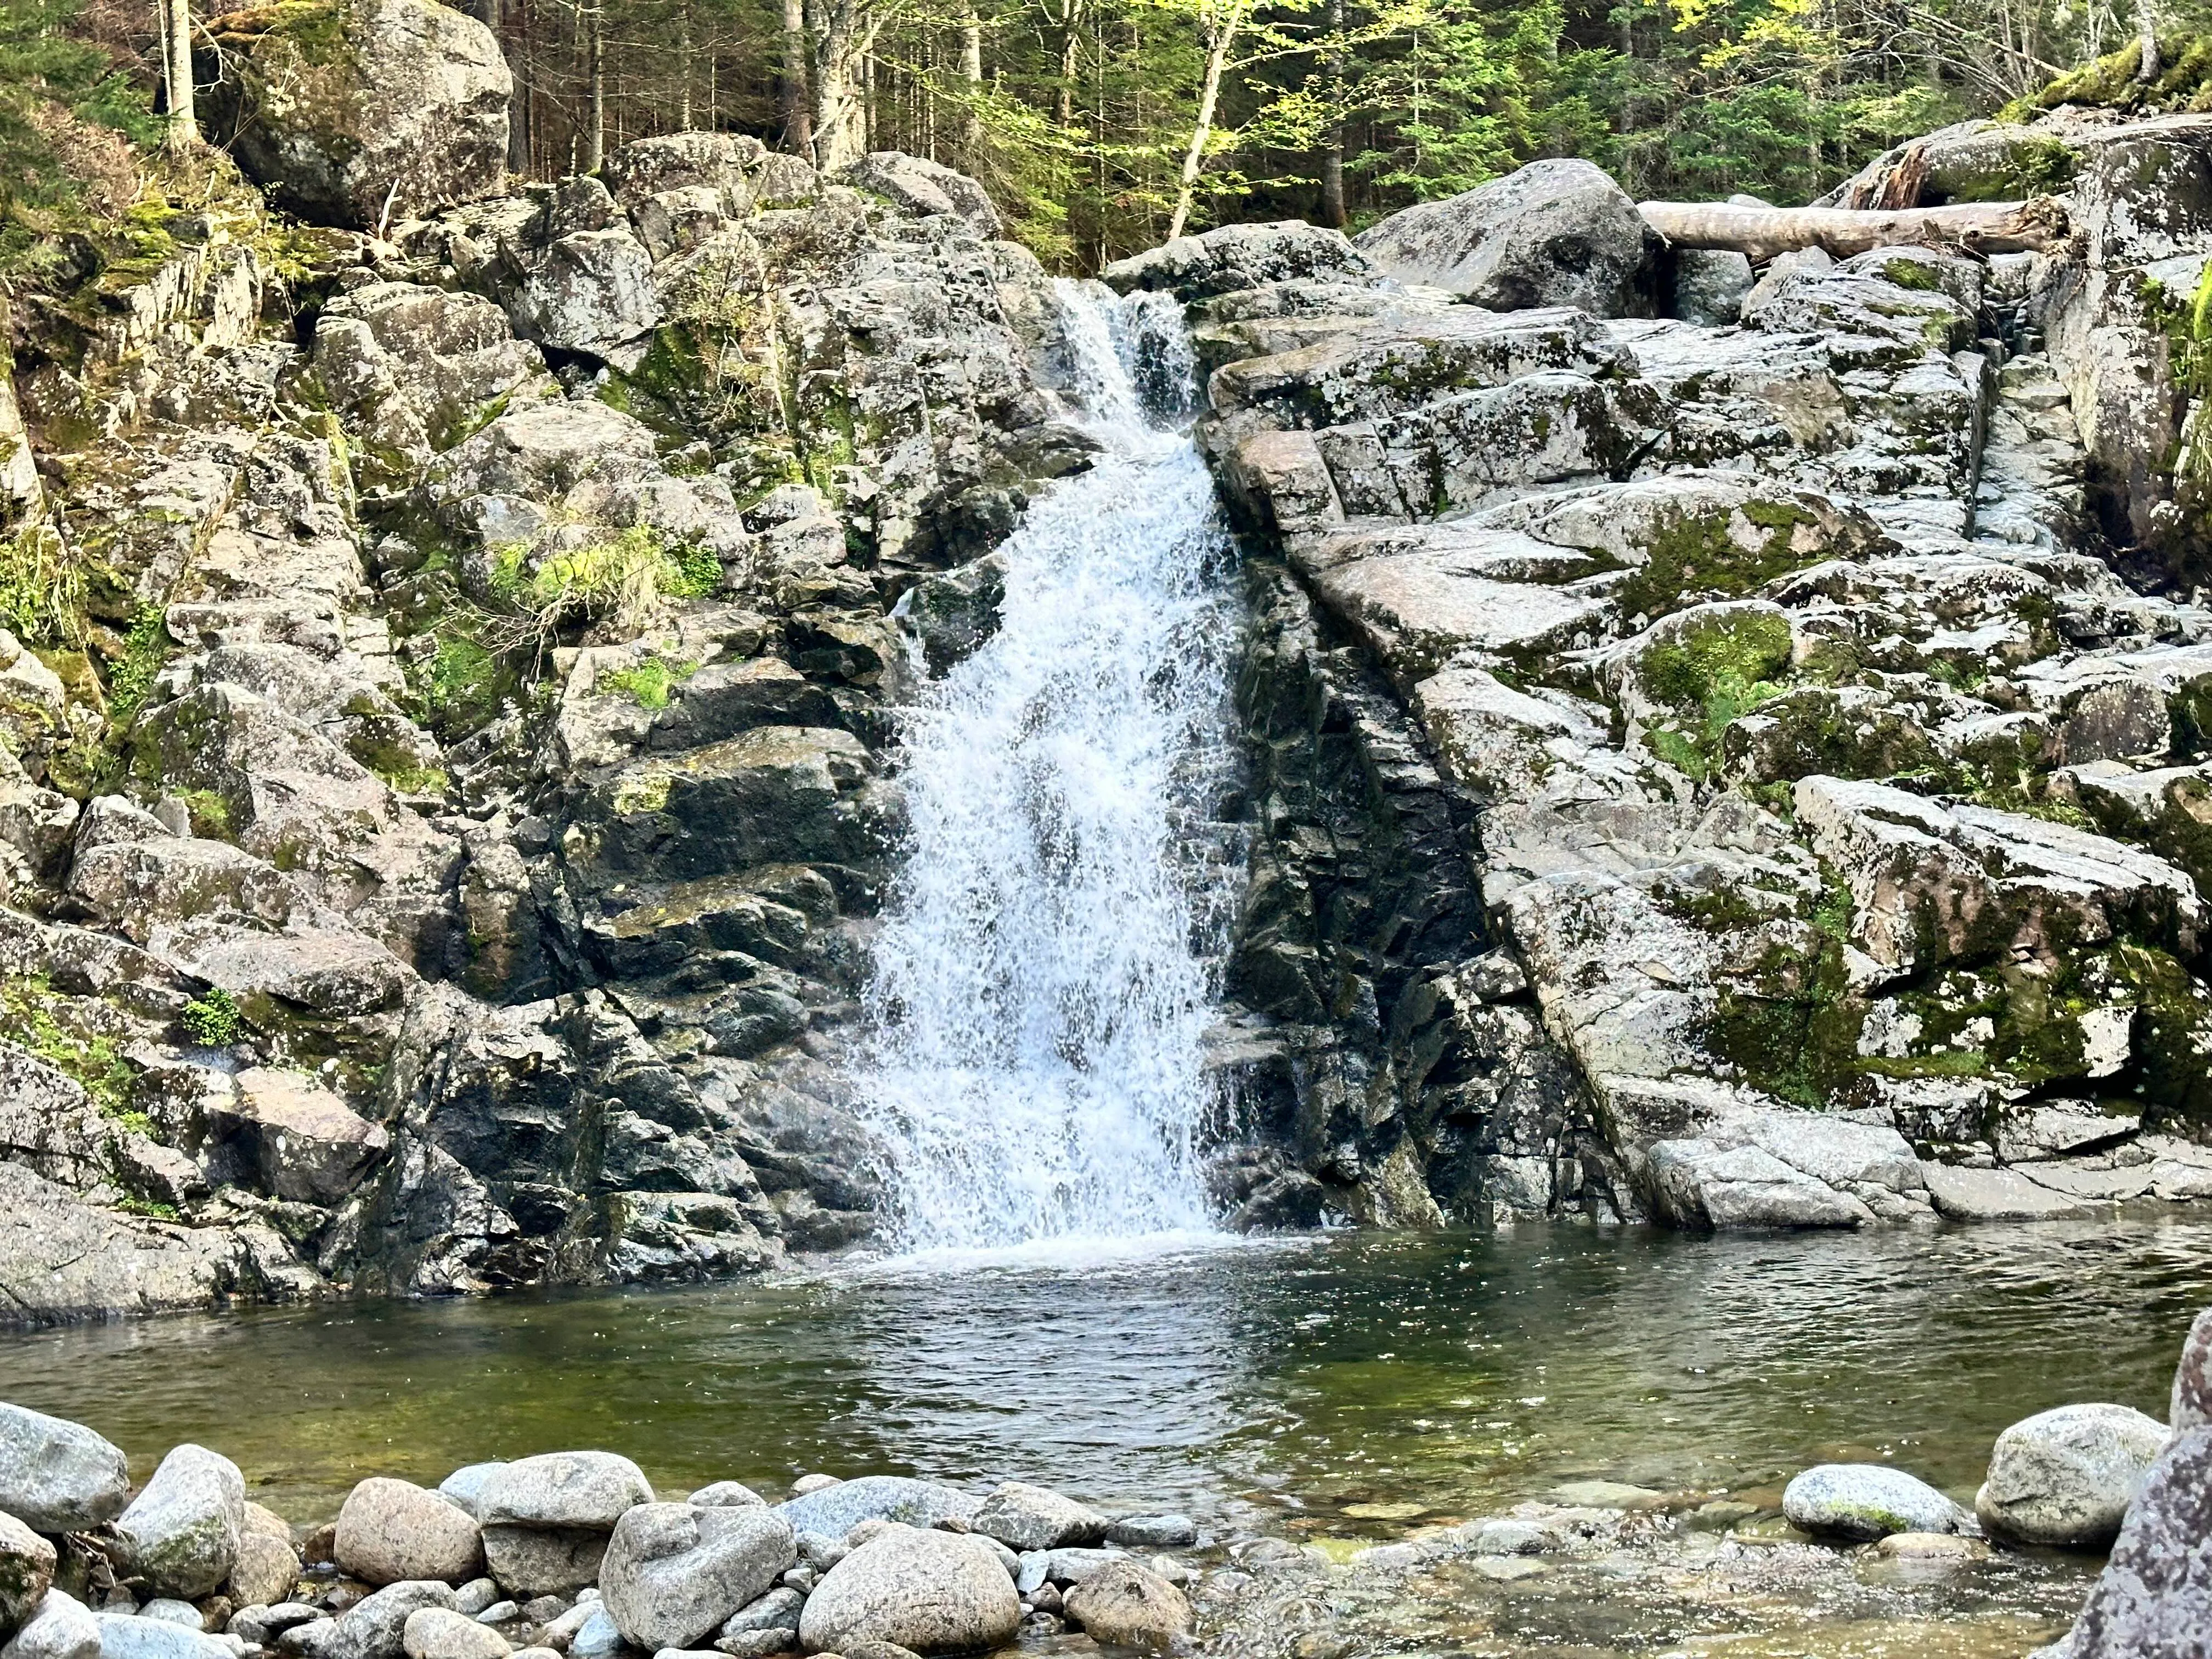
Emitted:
<point x="623" y="729"/>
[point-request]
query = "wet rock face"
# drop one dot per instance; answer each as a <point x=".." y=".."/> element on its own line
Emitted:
<point x="361" y="113"/>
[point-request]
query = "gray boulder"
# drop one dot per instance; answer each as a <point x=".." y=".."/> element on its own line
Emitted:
<point x="1866" y="1501"/>
<point x="465" y="1484"/>
<point x="27" y="1572"/>
<point x="266" y="1571"/>
<point x="1127" y="1606"/>
<point x="171" y="1611"/>
<point x="444" y="1633"/>
<point x="673" y="1573"/>
<point x="363" y="113"/>
<point x="123" y="1637"/>
<point x="1237" y="257"/>
<point x="373" y="1628"/>
<point x="592" y="292"/>
<point x="2154" y="1600"/>
<point x="1709" y="285"/>
<point x="1554" y="232"/>
<point x="726" y="1494"/>
<point x="926" y="189"/>
<point x="389" y="1530"/>
<point x="2067" y="1476"/>
<point x="932" y="1592"/>
<point x="1026" y="1518"/>
<point x="1151" y="1531"/>
<point x="834" y="1511"/>
<point x="57" y="1476"/>
<point x="586" y="1489"/>
<point x="2191" y="1400"/>
<point x="527" y="1561"/>
<point x="181" y="1535"/>
<point x="60" y="1627"/>
<point x="777" y="1610"/>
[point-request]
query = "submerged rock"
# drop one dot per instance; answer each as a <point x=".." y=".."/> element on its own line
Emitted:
<point x="1868" y="1501"/>
<point x="1124" y="1604"/>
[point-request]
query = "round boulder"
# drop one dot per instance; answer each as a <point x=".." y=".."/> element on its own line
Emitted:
<point x="57" y="1476"/>
<point x="586" y="1490"/>
<point x="1866" y="1501"/>
<point x="181" y="1533"/>
<point x="61" y="1628"/>
<point x="934" y="1592"/>
<point x="390" y="1530"/>
<point x="1126" y="1605"/>
<point x="2067" y="1476"/>
<point x="354" y="112"/>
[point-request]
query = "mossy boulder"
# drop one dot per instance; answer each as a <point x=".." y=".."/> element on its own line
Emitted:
<point x="360" y="112"/>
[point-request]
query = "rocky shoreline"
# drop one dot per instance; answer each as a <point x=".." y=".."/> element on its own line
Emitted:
<point x="574" y="1553"/>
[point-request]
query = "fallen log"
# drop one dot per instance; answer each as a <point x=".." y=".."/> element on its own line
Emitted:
<point x="1760" y="233"/>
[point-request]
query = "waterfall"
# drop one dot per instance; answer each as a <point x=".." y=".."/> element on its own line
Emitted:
<point x="1044" y="974"/>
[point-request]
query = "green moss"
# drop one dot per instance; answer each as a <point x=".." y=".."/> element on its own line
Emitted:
<point x="151" y="1209"/>
<point x="209" y="813"/>
<point x="41" y="588"/>
<point x="1709" y="675"/>
<point x="2184" y="82"/>
<point x="214" y="1021"/>
<point x="1910" y="273"/>
<point x="1696" y="559"/>
<point x="647" y="683"/>
<point x="33" y="1012"/>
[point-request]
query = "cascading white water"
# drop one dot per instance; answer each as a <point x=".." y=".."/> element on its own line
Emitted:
<point x="1044" y="973"/>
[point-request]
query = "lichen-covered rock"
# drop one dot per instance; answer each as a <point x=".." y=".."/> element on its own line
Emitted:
<point x="180" y="1533"/>
<point x="1553" y="233"/>
<point x="361" y="113"/>
<point x="27" y="1572"/>
<point x="417" y="369"/>
<point x="590" y="1489"/>
<point x="374" y="1627"/>
<point x="1238" y="257"/>
<point x="1868" y="1501"/>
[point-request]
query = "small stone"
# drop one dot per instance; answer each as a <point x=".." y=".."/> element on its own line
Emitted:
<point x="175" y="1612"/>
<point x="57" y="1476"/>
<point x="1123" y="1605"/>
<point x="1177" y="1573"/>
<point x="1072" y="1566"/>
<point x="259" y="1627"/>
<point x="596" y="1637"/>
<point x="929" y="1591"/>
<point x="757" y="1644"/>
<point x="390" y="1530"/>
<point x="813" y="1483"/>
<point x="819" y="1551"/>
<point x="442" y="1633"/>
<point x="376" y="1627"/>
<point x="60" y="1627"/>
<point x="1385" y="1511"/>
<point x="544" y="1609"/>
<point x="878" y="1650"/>
<point x="473" y="1597"/>
<point x="2067" y="1476"/>
<point x="320" y="1547"/>
<point x="1925" y="1546"/>
<point x="1152" y="1531"/>
<point x="498" y="1612"/>
<point x="1045" y="1598"/>
<point x="181" y="1533"/>
<point x="265" y="1570"/>
<point x="1026" y="1518"/>
<point x="26" y="1573"/>
<point x="1866" y="1501"/>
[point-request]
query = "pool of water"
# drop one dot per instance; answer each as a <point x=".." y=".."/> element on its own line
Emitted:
<point x="1271" y="1384"/>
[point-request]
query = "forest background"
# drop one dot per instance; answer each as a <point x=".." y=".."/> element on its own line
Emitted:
<point x="1102" y="126"/>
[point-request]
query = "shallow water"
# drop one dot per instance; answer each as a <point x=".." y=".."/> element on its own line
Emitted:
<point x="1270" y="1384"/>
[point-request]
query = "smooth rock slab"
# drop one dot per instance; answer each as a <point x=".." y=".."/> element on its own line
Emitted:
<point x="2067" y="1476"/>
<point x="586" y="1489"/>
<point x="1124" y="1604"/>
<point x="835" y="1510"/>
<point x="61" y="1627"/>
<point x="181" y="1535"/>
<point x="1026" y="1518"/>
<point x="1961" y="1194"/>
<point x="57" y="1476"/>
<point x="390" y="1530"/>
<point x="1866" y="1501"/>
<point x="673" y="1573"/>
<point x="934" y="1592"/>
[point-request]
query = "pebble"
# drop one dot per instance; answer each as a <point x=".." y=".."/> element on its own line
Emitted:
<point x="497" y="1614"/>
<point x="473" y="1597"/>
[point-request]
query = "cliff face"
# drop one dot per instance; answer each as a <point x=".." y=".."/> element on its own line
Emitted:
<point x="1810" y="661"/>
<point x="1706" y="763"/>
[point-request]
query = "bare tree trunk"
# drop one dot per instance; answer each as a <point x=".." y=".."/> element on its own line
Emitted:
<point x="684" y="69"/>
<point x="1222" y="23"/>
<point x="595" y="76"/>
<point x="1332" y="158"/>
<point x="176" y="17"/>
<point x="2146" y="39"/>
<point x="840" y="134"/>
<point x="798" y="117"/>
<point x="1761" y="233"/>
<point x="1071" y="46"/>
<point x="971" y="73"/>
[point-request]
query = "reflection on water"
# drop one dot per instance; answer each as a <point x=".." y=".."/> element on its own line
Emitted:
<point x="1245" y="1382"/>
